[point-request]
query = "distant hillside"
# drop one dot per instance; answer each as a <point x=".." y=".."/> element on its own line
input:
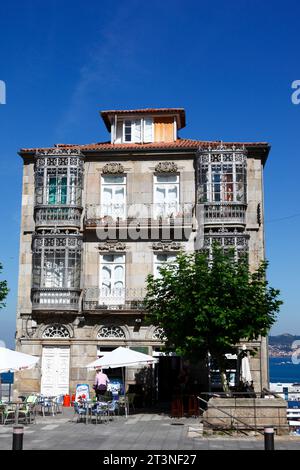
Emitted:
<point x="281" y="345"/>
<point x="283" y="340"/>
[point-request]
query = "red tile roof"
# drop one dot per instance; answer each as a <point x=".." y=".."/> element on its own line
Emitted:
<point x="179" y="111"/>
<point x="187" y="144"/>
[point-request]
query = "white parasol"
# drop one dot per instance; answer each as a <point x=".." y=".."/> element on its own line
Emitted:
<point x="122" y="357"/>
<point x="14" y="360"/>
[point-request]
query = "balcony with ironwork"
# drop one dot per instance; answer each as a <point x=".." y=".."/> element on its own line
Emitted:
<point x="225" y="213"/>
<point x="97" y="299"/>
<point x="59" y="216"/>
<point x="124" y="215"/>
<point x="58" y="299"/>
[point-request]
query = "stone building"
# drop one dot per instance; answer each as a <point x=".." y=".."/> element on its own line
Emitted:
<point x="97" y="218"/>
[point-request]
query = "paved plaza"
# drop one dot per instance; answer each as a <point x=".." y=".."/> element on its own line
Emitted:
<point x="142" y="431"/>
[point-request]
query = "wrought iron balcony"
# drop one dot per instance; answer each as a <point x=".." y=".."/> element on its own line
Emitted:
<point x="95" y="298"/>
<point x="229" y="213"/>
<point x="48" y="298"/>
<point x="97" y="215"/>
<point x="49" y="216"/>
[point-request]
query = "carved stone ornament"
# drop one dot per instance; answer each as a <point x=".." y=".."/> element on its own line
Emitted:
<point x="166" y="246"/>
<point x="166" y="167"/>
<point x="113" y="168"/>
<point x="112" y="246"/>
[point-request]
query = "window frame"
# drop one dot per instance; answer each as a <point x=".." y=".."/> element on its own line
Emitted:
<point x="155" y="184"/>
<point x="110" y="299"/>
<point x="113" y="186"/>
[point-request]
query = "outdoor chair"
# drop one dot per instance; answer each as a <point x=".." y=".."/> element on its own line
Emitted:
<point x="47" y="405"/>
<point x="122" y="404"/>
<point x="58" y="403"/>
<point x="79" y="411"/>
<point x="28" y="412"/>
<point x="101" y="410"/>
<point x="112" y="407"/>
<point x="9" y="413"/>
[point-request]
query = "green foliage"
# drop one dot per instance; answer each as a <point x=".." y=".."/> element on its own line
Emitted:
<point x="3" y="290"/>
<point x="210" y="305"/>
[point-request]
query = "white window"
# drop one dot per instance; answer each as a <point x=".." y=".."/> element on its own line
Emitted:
<point x="134" y="130"/>
<point x="113" y="196"/>
<point x="112" y="279"/>
<point x="166" y="195"/>
<point x="160" y="259"/>
<point x="148" y="130"/>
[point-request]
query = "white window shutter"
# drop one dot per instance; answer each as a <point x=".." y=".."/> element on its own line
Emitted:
<point x="136" y="130"/>
<point x="148" y="130"/>
<point x="119" y="132"/>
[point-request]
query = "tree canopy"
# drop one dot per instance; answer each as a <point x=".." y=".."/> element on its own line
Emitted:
<point x="3" y="290"/>
<point x="209" y="304"/>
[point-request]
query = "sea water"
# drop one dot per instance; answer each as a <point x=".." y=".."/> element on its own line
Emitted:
<point x="283" y="370"/>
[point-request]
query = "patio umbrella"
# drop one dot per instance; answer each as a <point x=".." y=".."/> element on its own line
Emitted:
<point x="122" y="357"/>
<point x="245" y="370"/>
<point x="11" y="361"/>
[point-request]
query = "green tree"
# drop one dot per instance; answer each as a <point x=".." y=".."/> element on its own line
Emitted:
<point x="3" y="290"/>
<point x="208" y="305"/>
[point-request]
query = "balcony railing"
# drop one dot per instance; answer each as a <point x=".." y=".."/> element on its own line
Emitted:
<point x="47" y="298"/>
<point x="143" y="214"/>
<point x="95" y="298"/>
<point x="46" y="216"/>
<point x="225" y="213"/>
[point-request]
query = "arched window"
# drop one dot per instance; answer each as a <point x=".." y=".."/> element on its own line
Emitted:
<point x="159" y="334"/>
<point x="56" y="331"/>
<point x="110" y="332"/>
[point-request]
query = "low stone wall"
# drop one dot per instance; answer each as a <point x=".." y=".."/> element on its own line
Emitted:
<point x="255" y="412"/>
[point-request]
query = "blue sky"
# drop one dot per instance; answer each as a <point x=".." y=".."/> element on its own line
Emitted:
<point x="230" y="64"/>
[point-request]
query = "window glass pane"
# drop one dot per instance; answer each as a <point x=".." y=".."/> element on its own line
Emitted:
<point x="52" y="190"/>
<point x="127" y="131"/>
<point x="63" y="184"/>
<point x="160" y="195"/>
<point x="148" y="130"/>
<point x="108" y="258"/>
<point x="167" y="178"/>
<point x="113" y="179"/>
<point x="137" y="130"/>
<point x="119" y="258"/>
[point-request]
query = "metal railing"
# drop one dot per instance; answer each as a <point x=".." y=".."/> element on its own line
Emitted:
<point x="47" y="298"/>
<point x="95" y="298"/>
<point x="57" y="215"/>
<point x="229" y="213"/>
<point x="144" y="214"/>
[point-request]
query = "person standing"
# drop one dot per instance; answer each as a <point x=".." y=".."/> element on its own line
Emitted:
<point x="100" y="385"/>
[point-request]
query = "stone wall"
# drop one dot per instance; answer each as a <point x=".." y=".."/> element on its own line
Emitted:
<point x="244" y="412"/>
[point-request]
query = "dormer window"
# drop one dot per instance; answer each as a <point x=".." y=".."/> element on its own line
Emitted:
<point x="144" y="125"/>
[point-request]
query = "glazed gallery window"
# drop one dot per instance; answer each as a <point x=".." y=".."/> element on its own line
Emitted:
<point x="112" y="278"/>
<point x="161" y="259"/>
<point x="57" y="268"/>
<point x="166" y="195"/>
<point x="223" y="183"/>
<point x="62" y="186"/>
<point x="113" y="196"/>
